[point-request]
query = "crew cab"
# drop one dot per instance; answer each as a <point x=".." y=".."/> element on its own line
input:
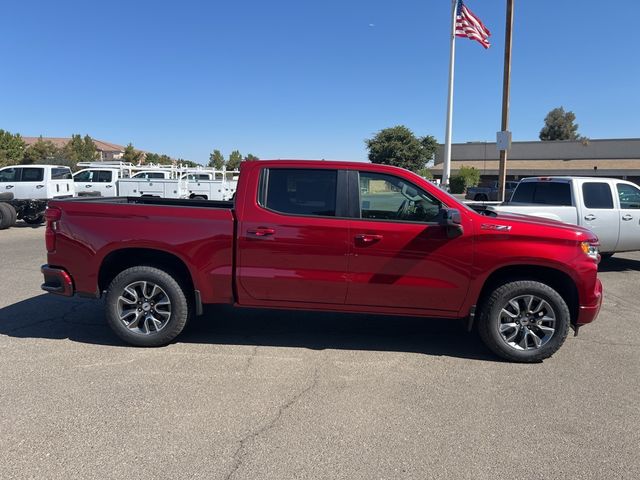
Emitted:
<point x="608" y="206"/>
<point x="334" y="236"/>
<point x="28" y="188"/>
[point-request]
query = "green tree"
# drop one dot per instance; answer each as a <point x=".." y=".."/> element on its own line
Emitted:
<point x="398" y="146"/>
<point x="425" y="173"/>
<point x="132" y="155"/>
<point x="558" y="125"/>
<point x="12" y="148"/>
<point x="216" y="160"/>
<point x="250" y="158"/>
<point x="466" y="177"/>
<point x="234" y="160"/>
<point x="78" y="149"/>
<point x="40" y="152"/>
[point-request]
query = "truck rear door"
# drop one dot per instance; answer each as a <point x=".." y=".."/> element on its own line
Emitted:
<point x="629" y="198"/>
<point x="598" y="212"/>
<point x="402" y="257"/>
<point x="293" y="238"/>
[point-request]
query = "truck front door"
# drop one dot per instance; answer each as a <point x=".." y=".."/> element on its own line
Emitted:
<point x="599" y="214"/>
<point x="401" y="256"/>
<point x="292" y="241"/>
<point x="629" y="196"/>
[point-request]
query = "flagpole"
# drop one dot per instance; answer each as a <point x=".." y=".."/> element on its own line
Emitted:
<point x="446" y="167"/>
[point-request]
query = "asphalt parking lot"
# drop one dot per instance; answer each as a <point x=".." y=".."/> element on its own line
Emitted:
<point x="266" y="394"/>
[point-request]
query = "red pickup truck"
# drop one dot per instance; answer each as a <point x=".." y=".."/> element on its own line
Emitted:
<point x="336" y="236"/>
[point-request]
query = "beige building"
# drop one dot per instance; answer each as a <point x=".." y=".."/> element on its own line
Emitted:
<point x="107" y="151"/>
<point x="619" y="158"/>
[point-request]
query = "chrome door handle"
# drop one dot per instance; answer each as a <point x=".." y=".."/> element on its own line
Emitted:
<point x="39" y="186"/>
<point x="591" y="216"/>
<point x="109" y="186"/>
<point x="368" y="238"/>
<point x="9" y="186"/>
<point x="88" y="186"/>
<point x="261" y="232"/>
<point x="627" y="217"/>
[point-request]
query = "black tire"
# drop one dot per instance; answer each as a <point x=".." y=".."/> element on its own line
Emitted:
<point x="606" y="256"/>
<point x="34" y="220"/>
<point x="14" y="214"/>
<point x="493" y="308"/>
<point x="178" y="305"/>
<point x="198" y="197"/>
<point x="6" y="216"/>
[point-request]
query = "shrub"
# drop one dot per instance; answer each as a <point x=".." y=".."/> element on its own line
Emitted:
<point x="466" y="177"/>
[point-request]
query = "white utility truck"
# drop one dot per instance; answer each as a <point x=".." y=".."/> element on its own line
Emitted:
<point x="127" y="180"/>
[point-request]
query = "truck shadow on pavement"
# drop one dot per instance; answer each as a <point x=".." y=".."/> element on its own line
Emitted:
<point x="80" y="320"/>
<point x="619" y="264"/>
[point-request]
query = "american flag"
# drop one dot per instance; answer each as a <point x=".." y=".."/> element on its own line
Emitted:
<point x="470" y="26"/>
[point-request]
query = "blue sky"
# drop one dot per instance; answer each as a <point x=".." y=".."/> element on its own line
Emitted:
<point x="307" y="79"/>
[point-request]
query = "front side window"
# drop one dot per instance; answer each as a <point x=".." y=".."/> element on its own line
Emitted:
<point x="629" y="196"/>
<point x="32" y="174"/>
<point x="301" y="191"/>
<point x="86" y="176"/>
<point x="597" y="195"/>
<point x="10" y="174"/>
<point x="385" y="197"/>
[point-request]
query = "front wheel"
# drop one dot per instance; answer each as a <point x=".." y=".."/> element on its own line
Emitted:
<point x="146" y="307"/>
<point x="524" y="321"/>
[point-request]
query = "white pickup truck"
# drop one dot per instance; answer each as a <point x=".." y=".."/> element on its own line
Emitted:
<point x="25" y="190"/>
<point x="608" y="206"/>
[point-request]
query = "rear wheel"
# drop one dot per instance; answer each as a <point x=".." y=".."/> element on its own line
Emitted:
<point x="524" y="321"/>
<point x="146" y="307"/>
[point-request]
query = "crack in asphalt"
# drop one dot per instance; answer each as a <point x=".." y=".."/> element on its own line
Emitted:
<point x="250" y="358"/>
<point x="241" y="451"/>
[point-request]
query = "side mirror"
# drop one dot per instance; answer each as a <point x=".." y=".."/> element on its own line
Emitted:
<point x="451" y="219"/>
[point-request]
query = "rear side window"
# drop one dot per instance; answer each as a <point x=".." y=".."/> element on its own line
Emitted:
<point x="103" y="176"/>
<point x="301" y="191"/>
<point x="32" y="174"/>
<point x="61" y="174"/>
<point x="597" y="195"/>
<point x="629" y="196"/>
<point x="545" y="193"/>
<point x="10" y="174"/>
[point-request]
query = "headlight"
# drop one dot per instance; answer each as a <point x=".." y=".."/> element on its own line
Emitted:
<point x="591" y="249"/>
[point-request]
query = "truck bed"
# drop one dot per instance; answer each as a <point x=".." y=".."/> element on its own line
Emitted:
<point x="92" y="230"/>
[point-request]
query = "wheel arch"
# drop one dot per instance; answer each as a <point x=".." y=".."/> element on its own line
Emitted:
<point x="119" y="260"/>
<point x="555" y="278"/>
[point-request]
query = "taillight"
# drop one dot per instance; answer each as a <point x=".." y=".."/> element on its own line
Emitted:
<point x="52" y="215"/>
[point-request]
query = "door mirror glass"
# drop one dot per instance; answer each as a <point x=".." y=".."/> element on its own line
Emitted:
<point x="450" y="217"/>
